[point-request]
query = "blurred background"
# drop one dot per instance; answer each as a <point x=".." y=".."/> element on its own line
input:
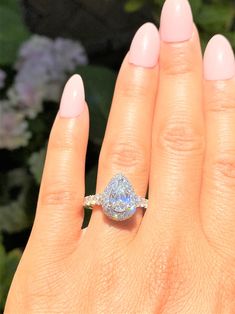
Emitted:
<point x="42" y="43"/>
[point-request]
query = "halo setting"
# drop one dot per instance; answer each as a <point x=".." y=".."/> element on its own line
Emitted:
<point x="119" y="201"/>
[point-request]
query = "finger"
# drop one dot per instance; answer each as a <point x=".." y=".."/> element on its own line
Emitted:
<point x="59" y="213"/>
<point x="177" y="146"/>
<point x="218" y="190"/>
<point x="126" y="146"/>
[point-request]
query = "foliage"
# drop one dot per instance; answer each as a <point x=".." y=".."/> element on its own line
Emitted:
<point x="212" y="16"/>
<point x="12" y="30"/>
<point x="32" y="74"/>
<point x="14" y="194"/>
<point x="8" y="264"/>
<point x="34" y="71"/>
<point x="98" y="97"/>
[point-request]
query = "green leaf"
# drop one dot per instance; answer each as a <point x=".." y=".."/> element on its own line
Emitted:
<point x="12" y="33"/>
<point x="231" y="38"/>
<point x="217" y="17"/>
<point x="196" y="5"/>
<point x="99" y="85"/>
<point x="36" y="163"/>
<point x="12" y="261"/>
<point x="8" y="265"/>
<point x="11" y="4"/>
<point x="133" y="5"/>
<point x="13" y="215"/>
<point x="2" y="262"/>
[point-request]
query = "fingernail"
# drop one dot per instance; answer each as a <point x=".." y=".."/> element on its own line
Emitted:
<point x="176" y="23"/>
<point x="73" y="98"/>
<point x="144" y="50"/>
<point x="219" y="61"/>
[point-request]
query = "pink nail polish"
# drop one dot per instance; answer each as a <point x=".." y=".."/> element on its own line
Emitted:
<point x="176" y="21"/>
<point x="144" y="50"/>
<point x="219" y="61"/>
<point x="73" y="98"/>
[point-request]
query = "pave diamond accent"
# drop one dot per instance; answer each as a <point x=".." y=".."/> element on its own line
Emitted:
<point x="92" y="200"/>
<point x="119" y="201"/>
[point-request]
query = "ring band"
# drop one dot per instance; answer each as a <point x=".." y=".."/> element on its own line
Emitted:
<point x="119" y="201"/>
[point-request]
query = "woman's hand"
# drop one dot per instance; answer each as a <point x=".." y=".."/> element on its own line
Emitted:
<point x="172" y="129"/>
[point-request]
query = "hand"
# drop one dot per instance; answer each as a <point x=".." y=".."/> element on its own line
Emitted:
<point x="172" y="129"/>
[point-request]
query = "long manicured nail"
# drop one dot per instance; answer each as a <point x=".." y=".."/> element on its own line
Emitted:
<point x="176" y="21"/>
<point x="73" y="98"/>
<point x="144" y="50"/>
<point x="219" y="61"/>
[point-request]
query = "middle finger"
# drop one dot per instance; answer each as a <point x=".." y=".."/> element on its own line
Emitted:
<point x="178" y="129"/>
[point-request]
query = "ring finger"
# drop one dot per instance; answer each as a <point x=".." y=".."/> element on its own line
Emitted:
<point x="127" y="141"/>
<point x="218" y="190"/>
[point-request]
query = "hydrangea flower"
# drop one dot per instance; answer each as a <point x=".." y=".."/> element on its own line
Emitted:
<point x="2" y="78"/>
<point x="43" y="66"/>
<point x="13" y="127"/>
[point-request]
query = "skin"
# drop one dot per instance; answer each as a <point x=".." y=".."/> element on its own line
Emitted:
<point x="165" y="128"/>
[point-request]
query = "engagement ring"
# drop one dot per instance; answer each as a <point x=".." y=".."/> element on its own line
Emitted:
<point x="119" y="201"/>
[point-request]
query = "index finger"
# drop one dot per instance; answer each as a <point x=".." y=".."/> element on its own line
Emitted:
<point x="60" y="203"/>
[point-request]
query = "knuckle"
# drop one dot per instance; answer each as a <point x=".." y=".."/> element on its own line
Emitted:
<point x="221" y="100"/>
<point x="64" y="140"/>
<point x="132" y="91"/>
<point x="133" y="85"/>
<point x="217" y="104"/>
<point x="125" y="154"/>
<point x="225" y="167"/>
<point x="58" y="197"/>
<point x="178" y="62"/>
<point x="181" y="138"/>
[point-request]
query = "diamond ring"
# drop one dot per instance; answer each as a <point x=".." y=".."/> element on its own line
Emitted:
<point x="119" y="201"/>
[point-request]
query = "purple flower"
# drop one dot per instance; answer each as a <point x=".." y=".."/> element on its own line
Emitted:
<point x="43" y="66"/>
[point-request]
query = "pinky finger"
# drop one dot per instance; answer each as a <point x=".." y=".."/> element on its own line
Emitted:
<point x="218" y="190"/>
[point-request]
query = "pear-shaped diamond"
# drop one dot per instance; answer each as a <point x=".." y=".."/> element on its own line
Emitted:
<point x="119" y="200"/>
